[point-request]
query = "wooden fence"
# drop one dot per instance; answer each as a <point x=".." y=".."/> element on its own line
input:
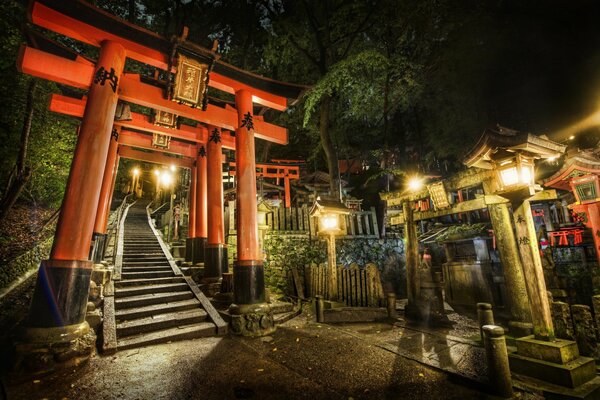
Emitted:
<point x="360" y="224"/>
<point x="357" y="287"/>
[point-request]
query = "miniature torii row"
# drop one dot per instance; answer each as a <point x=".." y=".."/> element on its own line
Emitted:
<point x="61" y="293"/>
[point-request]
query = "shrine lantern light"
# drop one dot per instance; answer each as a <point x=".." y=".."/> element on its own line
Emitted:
<point x="515" y="171"/>
<point x="330" y="216"/>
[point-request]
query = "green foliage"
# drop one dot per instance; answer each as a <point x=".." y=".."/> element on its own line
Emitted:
<point x="464" y="231"/>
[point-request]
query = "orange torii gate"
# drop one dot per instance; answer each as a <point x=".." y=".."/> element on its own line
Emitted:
<point x="277" y="171"/>
<point x="59" y="303"/>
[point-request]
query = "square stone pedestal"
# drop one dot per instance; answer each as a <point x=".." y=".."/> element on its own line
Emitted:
<point x="556" y="362"/>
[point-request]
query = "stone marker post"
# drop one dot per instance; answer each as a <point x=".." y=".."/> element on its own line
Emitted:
<point x="497" y="360"/>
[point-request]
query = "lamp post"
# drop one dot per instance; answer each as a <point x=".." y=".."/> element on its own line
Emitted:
<point x="157" y="175"/>
<point x="135" y="172"/>
<point x="166" y="180"/>
<point x="331" y="222"/>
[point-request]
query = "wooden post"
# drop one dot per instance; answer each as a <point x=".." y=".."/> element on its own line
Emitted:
<point x="189" y="241"/>
<point x="411" y="250"/>
<point x="248" y="271"/>
<point x="543" y="328"/>
<point x="201" y="229"/>
<point x="63" y="282"/>
<point x="332" y="266"/>
<point x="215" y="253"/>
<point x="100" y="223"/>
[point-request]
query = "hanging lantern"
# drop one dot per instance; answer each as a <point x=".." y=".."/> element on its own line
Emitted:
<point x="163" y="118"/>
<point x="161" y="141"/>
<point x="191" y="82"/>
<point x="515" y="171"/>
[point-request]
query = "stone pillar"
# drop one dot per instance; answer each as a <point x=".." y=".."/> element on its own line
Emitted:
<point x="201" y="222"/>
<point x="563" y="324"/>
<point x="497" y="360"/>
<point x="58" y="307"/>
<point x="412" y="261"/>
<point x="99" y="235"/>
<point x="250" y="315"/>
<point x="215" y="253"/>
<point x="512" y="268"/>
<point x="189" y="241"/>
<point x="585" y="331"/>
<point x="543" y="328"/>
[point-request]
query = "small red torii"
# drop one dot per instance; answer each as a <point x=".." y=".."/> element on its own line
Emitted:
<point x="276" y="171"/>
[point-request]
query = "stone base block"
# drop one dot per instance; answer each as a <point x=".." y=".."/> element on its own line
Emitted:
<point x="44" y="350"/>
<point x="588" y="391"/>
<point x="100" y="274"/>
<point x="210" y="289"/>
<point x="94" y="319"/>
<point x="571" y="375"/>
<point x="251" y="319"/>
<point x="559" y="351"/>
<point x="519" y="329"/>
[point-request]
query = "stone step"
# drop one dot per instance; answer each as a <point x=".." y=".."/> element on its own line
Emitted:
<point x="151" y="298"/>
<point x="163" y="263"/>
<point x="194" y="331"/>
<point x="145" y="289"/>
<point x="149" y="268"/>
<point x="154" y="309"/>
<point x="155" y="258"/>
<point x="160" y="321"/>
<point x="146" y="274"/>
<point x="153" y="281"/>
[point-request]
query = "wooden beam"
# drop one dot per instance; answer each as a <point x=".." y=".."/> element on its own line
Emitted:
<point x="143" y="141"/>
<point x="73" y="73"/>
<point x="462" y="180"/>
<point x="74" y="107"/>
<point x="273" y="171"/>
<point x="60" y="23"/>
<point x="154" y="157"/>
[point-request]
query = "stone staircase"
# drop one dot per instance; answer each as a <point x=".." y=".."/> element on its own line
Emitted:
<point x="153" y="302"/>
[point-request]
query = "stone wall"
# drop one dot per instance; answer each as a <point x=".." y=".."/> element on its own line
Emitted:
<point x="286" y="251"/>
<point x="26" y="262"/>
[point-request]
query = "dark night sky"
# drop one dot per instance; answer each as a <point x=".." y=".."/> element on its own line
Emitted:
<point x="545" y="73"/>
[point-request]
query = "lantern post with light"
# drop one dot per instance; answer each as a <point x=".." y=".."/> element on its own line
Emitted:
<point x="510" y="156"/>
<point x="331" y="222"/>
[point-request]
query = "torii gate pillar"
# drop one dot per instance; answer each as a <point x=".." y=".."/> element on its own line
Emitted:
<point x="200" y="211"/>
<point x="250" y="314"/>
<point x="56" y="320"/>
<point x="189" y="241"/>
<point x="215" y="253"/>
<point x="100" y="224"/>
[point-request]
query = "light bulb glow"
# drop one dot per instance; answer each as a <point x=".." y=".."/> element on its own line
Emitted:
<point x="166" y="179"/>
<point x="136" y="171"/>
<point x="415" y="184"/>
<point x="329" y="222"/>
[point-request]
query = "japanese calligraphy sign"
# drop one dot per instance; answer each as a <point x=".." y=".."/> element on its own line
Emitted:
<point x="215" y="136"/>
<point x="190" y="82"/>
<point x="102" y="75"/>
<point x="166" y="119"/>
<point x="161" y="141"/>
<point x="438" y="195"/>
<point x="247" y="122"/>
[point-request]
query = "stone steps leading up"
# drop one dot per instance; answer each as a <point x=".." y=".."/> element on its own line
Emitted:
<point x="152" y="304"/>
<point x="194" y="331"/>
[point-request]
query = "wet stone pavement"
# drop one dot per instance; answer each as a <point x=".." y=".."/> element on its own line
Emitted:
<point x="302" y="360"/>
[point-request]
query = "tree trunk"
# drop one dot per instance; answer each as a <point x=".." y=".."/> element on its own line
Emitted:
<point x="23" y="173"/>
<point x="330" y="154"/>
<point x="131" y="11"/>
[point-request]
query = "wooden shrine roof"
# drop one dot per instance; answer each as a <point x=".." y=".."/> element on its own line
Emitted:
<point x="500" y="139"/>
<point x="575" y="164"/>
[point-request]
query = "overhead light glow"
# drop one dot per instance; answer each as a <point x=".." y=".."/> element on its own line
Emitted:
<point x="415" y="184"/>
<point x="136" y="171"/>
<point x="166" y="178"/>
